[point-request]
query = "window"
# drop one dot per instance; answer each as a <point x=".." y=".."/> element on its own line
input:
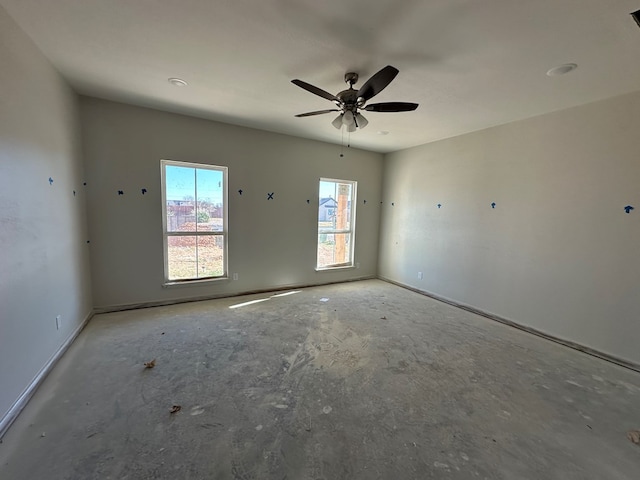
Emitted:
<point x="336" y="223"/>
<point x="194" y="205"/>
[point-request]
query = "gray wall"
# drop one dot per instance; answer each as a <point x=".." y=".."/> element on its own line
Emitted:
<point x="558" y="253"/>
<point x="272" y="242"/>
<point x="44" y="268"/>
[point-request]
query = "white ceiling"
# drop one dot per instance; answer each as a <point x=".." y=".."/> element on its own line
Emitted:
<point x="469" y="64"/>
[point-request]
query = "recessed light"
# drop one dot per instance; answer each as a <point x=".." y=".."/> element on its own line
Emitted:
<point x="178" y="82"/>
<point x="383" y="132"/>
<point x="562" y="69"/>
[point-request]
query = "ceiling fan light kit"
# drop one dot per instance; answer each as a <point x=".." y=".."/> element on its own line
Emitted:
<point x="361" y="121"/>
<point x="349" y="102"/>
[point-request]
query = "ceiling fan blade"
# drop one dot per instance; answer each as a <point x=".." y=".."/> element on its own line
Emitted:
<point x="378" y="82"/>
<point x="318" y="112"/>
<point x="313" y="89"/>
<point x="390" y="107"/>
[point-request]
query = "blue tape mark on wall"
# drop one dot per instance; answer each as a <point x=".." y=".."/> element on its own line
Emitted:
<point x="270" y="196"/>
<point x="144" y="190"/>
<point x="120" y="192"/>
<point x="240" y="191"/>
<point x="493" y="205"/>
<point x="439" y="205"/>
<point x="628" y="208"/>
<point x="50" y="181"/>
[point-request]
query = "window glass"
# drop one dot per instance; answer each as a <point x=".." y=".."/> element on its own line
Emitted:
<point x="194" y="211"/>
<point x="336" y="217"/>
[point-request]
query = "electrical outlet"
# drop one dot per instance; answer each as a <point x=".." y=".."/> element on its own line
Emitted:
<point x="420" y="276"/>
<point x="235" y="276"/>
<point x="58" y="322"/>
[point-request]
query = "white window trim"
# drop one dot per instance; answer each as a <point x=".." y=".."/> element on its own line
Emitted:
<point x="224" y="233"/>
<point x="351" y="231"/>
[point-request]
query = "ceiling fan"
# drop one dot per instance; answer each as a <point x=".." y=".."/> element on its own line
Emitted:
<point x="349" y="102"/>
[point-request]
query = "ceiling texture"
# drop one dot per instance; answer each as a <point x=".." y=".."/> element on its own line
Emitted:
<point x="469" y="64"/>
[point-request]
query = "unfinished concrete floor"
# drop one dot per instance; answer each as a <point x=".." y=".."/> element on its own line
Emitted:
<point x="361" y="380"/>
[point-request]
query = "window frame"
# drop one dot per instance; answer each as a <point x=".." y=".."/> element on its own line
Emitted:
<point x="166" y="234"/>
<point x="351" y="231"/>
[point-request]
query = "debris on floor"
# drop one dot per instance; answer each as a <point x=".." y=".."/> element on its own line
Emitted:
<point x="383" y="318"/>
<point x="175" y="409"/>
<point x="324" y="299"/>
<point x="150" y="364"/>
<point x="634" y="436"/>
<point x="43" y="434"/>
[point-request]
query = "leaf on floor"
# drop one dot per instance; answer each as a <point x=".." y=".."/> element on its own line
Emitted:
<point x="150" y="364"/>
<point x="634" y="436"/>
<point x="175" y="409"/>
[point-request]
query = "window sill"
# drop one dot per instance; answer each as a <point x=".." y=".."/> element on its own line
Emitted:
<point x="193" y="283"/>
<point x="332" y="269"/>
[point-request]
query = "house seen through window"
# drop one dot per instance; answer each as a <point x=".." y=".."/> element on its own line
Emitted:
<point x="336" y="223"/>
<point x="194" y="221"/>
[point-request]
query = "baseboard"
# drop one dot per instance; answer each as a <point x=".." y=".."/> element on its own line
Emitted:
<point x="162" y="303"/>
<point x="567" y="343"/>
<point x="8" y="419"/>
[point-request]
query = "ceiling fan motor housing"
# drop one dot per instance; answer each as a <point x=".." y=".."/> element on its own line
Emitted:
<point x="349" y="99"/>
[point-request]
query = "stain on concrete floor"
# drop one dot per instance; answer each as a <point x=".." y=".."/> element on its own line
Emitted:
<point x="298" y="388"/>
